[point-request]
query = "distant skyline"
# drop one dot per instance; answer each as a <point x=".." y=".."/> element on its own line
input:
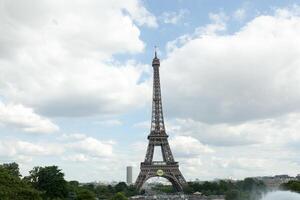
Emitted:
<point x="76" y="85"/>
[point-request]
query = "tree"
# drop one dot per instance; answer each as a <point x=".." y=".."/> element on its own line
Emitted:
<point x="85" y="194"/>
<point x="161" y="188"/>
<point x="292" y="186"/>
<point x="13" y="168"/>
<point x="111" y="189"/>
<point x="50" y="180"/>
<point x="119" y="196"/>
<point x="248" y="184"/>
<point x="12" y="187"/>
<point x="232" y="195"/>
<point x="74" y="184"/>
<point x="121" y="187"/>
<point x="103" y="192"/>
<point x="187" y="189"/>
<point x="131" y="191"/>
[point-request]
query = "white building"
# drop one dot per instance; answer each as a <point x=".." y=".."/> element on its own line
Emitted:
<point x="129" y="175"/>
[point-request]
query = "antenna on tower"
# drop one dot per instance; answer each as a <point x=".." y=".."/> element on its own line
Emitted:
<point x="155" y="50"/>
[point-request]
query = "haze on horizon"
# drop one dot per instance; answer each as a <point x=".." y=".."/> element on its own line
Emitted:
<point x="76" y="85"/>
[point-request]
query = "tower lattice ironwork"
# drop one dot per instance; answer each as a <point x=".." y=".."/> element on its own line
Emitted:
<point x="158" y="137"/>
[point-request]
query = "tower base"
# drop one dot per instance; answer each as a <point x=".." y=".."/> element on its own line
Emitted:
<point x="170" y="171"/>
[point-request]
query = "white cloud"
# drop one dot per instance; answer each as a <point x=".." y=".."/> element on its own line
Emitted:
<point x="239" y="14"/>
<point x="174" y="17"/>
<point x="25" y="151"/>
<point x="238" y="163"/>
<point x="143" y="125"/>
<point x="247" y="75"/>
<point x="254" y="148"/>
<point x="57" y="56"/>
<point x="216" y="134"/>
<point x="73" y="136"/>
<point x="287" y="12"/>
<point x="76" y="158"/>
<point x="94" y="147"/>
<point x="109" y="122"/>
<point x="89" y="146"/>
<point x="187" y="146"/>
<point x="62" y="25"/>
<point x="139" y="13"/>
<point x="19" y="116"/>
<point x="68" y="147"/>
<point x="273" y="131"/>
<point x="217" y="25"/>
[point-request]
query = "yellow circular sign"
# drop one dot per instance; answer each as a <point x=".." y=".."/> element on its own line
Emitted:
<point x="160" y="172"/>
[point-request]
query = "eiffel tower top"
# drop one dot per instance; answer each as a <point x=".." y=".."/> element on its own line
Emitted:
<point x="157" y="122"/>
<point x="155" y="61"/>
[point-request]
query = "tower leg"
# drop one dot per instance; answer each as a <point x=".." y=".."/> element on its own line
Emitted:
<point x="149" y="153"/>
<point x="141" y="179"/>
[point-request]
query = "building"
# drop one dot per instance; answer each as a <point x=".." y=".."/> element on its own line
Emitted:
<point x="129" y="175"/>
<point x="167" y="168"/>
<point x="274" y="182"/>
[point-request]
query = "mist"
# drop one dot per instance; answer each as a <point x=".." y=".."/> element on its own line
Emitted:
<point x="281" y="195"/>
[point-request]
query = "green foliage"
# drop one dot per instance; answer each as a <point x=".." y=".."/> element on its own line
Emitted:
<point x="109" y="191"/>
<point x="208" y="188"/>
<point x="122" y="186"/>
<point x="85" y="194"/>
<point x="119" y="196"/>
<point x="292" y="186"/>
<point x="13" y="168"/>
<point x="77" y="192"/>
<point x="73" y="184"/>
<point x="187" y="189"/>
<point x="160" y="188"/>
<point x="239" y="195"/>
<point x="91" y="191"/>
<point x="103" y="192"/>
<point x="250" y="184"/>
<point x="248" y="189"/>
<point x="50" y="181"/>
<point x="12" y="187"/>
<point x="131" y="191"/>
<point x="232" y="195"/>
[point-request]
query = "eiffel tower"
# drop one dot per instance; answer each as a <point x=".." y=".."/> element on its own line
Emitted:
<point x="158" y="137"/>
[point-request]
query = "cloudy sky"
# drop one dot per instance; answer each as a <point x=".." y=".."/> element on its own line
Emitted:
<point x="75" y="85"/>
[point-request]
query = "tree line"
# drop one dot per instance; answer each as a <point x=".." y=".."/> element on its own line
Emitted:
<point x="293" y="186"/>
<point x="247" y="189"/>
<point x="48" y="183"/>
